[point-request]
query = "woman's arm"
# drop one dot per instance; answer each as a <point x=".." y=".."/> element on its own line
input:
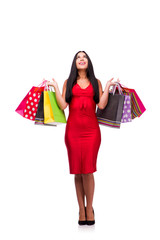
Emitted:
<point x="60" y="98"/>
<point x="64" y="94"/>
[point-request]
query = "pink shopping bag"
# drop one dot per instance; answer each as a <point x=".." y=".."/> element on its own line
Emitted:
<point x="28" y="107"/>
<point x="137" y="106"/>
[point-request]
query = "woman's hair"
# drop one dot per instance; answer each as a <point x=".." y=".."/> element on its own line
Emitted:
<point x="73" y="79"/>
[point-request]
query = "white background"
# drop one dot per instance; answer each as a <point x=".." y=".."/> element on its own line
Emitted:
<point x="37" y="195"/>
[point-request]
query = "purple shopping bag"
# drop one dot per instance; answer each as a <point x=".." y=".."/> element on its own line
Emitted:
<point x="126" y="116"/>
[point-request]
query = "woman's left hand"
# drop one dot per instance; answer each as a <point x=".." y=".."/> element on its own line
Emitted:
<point x="110" y="83"/>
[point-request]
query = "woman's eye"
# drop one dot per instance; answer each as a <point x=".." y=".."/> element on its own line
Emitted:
<point x="83" y="56"/>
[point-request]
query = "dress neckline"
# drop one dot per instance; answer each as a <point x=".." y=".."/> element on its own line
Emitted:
<point x="86" y="87"/>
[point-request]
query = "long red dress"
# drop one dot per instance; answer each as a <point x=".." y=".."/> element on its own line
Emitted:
<point x="82" y="132"/>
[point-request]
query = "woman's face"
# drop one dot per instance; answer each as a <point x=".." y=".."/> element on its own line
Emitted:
<point x="81" y="61"/>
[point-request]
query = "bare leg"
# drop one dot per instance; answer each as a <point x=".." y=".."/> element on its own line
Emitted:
<point x="89" y="185"/>
<point x="80" y="196"/>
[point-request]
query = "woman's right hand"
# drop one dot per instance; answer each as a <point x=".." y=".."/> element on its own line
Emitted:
<point x="53" y="84"/>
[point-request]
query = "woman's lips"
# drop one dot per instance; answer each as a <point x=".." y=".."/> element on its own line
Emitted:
<point x="82" y="63"/>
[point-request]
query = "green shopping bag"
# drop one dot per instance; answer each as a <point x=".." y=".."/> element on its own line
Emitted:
<point x="59" y="114"/>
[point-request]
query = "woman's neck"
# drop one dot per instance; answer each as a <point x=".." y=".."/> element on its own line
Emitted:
<point x="82" y="75"/>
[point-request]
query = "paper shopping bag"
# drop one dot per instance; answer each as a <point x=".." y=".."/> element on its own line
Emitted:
<point x="59" y="115"/>
<point x="48" y="113"/>
<point x="28" y="107"/>
<point x="126" y="116"/>
<point x="111" y="115"/>
<point x="137" y="107"/>
<point x="40" y="110"/>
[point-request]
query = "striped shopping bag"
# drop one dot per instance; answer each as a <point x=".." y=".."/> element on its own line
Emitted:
<point x="137" y="107"/>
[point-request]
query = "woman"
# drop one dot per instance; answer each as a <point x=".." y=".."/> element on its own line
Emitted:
<point x="82" y="91"/>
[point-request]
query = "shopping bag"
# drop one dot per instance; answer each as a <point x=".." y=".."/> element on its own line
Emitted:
<point x="52" y="112"/>
<point x="48" y="114"/>
<point x="22" y="105"/>
<point x="40" y="111"/>
<point x="111" y="115"/>
<point x="141" y="107"/>
<point x="28" y="107"/>
<point x="59" y="114"/>
<point x="137" y="107"/>
<point x="126" y="116"/>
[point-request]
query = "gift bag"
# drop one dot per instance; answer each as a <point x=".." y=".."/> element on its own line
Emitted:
<point x="48" y="114"/>
<point x="111" y="115"/>
<point x="22" y="105"/>
<point x="40" y="111"/>
<point x="52" y="112"/>
<point x="126" y="116"/>
<point x="59" y="115"/>
<point x="28" y="107"/>
<point x="137" y="107"/>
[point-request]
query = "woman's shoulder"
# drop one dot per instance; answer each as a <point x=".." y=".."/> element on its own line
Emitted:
<point x="100" y="87"/>
<point x="99" y="83"/>
<point x="98" y="80"/>
<point x="65" y="82"/>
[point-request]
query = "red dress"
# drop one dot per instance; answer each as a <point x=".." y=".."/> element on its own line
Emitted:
<point x="82" y="132"/>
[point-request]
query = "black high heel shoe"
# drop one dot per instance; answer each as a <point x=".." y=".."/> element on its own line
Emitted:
<point x="91" y="222"/>
<point x="84" y="222"/>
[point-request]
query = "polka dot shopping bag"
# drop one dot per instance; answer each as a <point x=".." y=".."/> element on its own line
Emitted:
<point x="28" y="107"/>
<point x="126" y="116"/>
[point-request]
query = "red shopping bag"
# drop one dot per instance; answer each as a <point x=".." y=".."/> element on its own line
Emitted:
<point x="28" y="107"/>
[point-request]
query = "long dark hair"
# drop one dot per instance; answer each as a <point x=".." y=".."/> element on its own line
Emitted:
<point x="73" y="79"/>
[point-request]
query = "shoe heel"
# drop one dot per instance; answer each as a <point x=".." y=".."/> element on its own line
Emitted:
<point x="91" y="222"/>
<point x="84" y="222"/>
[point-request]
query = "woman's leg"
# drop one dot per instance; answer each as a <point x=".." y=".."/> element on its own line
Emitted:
<point x="80" y="196"/>
<point x="89" y="185"/>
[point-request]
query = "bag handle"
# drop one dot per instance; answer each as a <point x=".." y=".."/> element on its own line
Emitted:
<point x="46" y="87"/>
<point x="42" y="84"/>
<point x="124" y="88"/>
<point x="49" y="88"/>
<point x="119" y="88"/>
